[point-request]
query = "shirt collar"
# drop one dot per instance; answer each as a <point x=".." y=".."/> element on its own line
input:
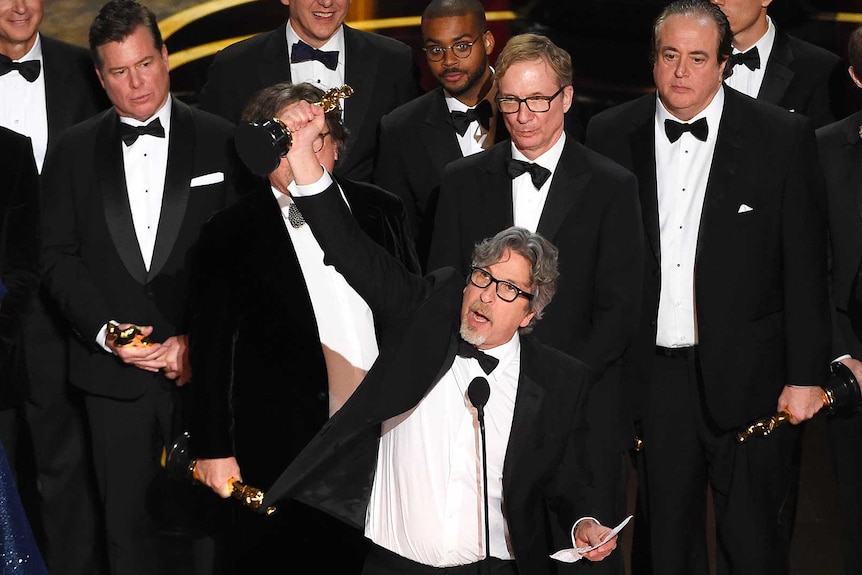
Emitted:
<point x="456" y="105"/>
<point x="765" y="44"/>
<point x="163" y="114"/>
<point x="504" y="353"/>
<point x="549" y="159"/>
<point x="35" y="52"/>
<point x="334" y="44"/>
<point x="712" y="113"/>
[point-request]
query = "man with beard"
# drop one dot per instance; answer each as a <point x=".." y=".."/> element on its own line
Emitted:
<point x="457" y="119"/>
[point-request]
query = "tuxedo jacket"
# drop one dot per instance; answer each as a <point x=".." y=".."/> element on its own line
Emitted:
<point x="92" y="262"/>
<point x="545" y="473"/>
<point x="380" y="70"/>
<point x="802" y="78"/>
<point x="760" y="264"/>
<point x="261" y="386"/>
<point x="417" y="141"/>
<point x="592" y="216"/>
<point x="72" y="90"/>
<point x="19" y="252"/>
<point x="841" y="160"/>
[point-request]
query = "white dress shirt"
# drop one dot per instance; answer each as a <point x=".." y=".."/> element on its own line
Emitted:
<point x="345" y="323"/>
<point x="749" y="81"/>
<point x="313" y="71"/>
<point x="23" y="105"/>
<point x="682" y="172"/>
<point x="427" y="501"/>
<point x="475" y="138"/>
<point x="527" y="202"/>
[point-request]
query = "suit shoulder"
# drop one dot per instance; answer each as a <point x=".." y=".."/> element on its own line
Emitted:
<point x="240" y="52"/>
<point x="70" y="52"/>
<point x="374" y="195"/>
<point x="605" y="165"/>
<point x="557" y="361"/>
<point x="410" y="112"/>
<point x="813" y="55"/>
<point x="211" y="122"/>
<point x="845" y="129"/>
<point x="621" y="114"/>
<point x="384" y="44"/>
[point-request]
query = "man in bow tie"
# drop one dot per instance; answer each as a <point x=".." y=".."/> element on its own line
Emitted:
<point x="456" y="119"/>
<point x="735" y="324"/>
<point x="125" y="195"/>
<point x="260" y="281"/>
<point x="547" y="182"/>
<point x="771" y="65"/>
<point x="402" y="459"/>
<point x="314" y="45"/>
<point x="46" y="86"/>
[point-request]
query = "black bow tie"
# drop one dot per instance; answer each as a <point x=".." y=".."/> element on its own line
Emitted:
<point x="468" y="350"/>
<point x="674" y="129"/>
<point x="481" y="113"/>
<point x="29" y="70"/>
<point x="129" y="134"/>
<point x="302" y="52"/>
<point x="751" y="59"/>
<point x="538" y="174"/>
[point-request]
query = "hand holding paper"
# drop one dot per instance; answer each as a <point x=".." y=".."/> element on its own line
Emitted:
<point x="576" y="553"/>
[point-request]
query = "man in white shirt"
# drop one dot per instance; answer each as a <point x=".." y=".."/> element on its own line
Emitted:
<point x="125" y="194"/>
<point x="416" y="485"/>
<point x="771" y="65"/>
<point x="47" y="85"/>
<point x="314" y="45"/>
<point x="735" y="325"/>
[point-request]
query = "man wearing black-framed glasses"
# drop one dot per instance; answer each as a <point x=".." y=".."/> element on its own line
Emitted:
<point x="454" y="120"/>
<point x="546" y="181"/>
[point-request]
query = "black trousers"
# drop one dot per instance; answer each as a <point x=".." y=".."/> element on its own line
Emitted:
<point x="684" y="454"/>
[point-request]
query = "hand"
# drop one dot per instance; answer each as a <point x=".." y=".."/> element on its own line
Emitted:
<point x="803" y="402"/>
<point x="589" y="533"/>
<point x="147" y="357"/>
<point x="177" y="366"/>
<point x="218" y="474"/>
<point x="856" y="367"/>
<point x="305" y="121"/>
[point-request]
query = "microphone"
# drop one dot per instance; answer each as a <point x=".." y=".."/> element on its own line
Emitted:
<point x="479" y="391"/>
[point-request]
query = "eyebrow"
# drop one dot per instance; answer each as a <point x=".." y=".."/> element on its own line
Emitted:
<point x="454" y="40"/>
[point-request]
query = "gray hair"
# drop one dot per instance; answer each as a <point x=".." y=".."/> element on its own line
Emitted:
<point x="542" y="255"/>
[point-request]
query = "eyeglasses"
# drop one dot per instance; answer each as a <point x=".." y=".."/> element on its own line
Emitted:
<point x="506" y="291"/>
<point x="538" y="104"/>
<point x="319" y="142"/>
<point x="460" y="49"/>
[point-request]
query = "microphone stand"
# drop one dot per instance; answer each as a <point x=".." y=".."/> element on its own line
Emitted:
<point x="479" y="391"/>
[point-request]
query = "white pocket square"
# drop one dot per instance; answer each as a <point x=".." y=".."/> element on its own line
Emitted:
<point x="744" y="208"/>
<point x="207" y="179"/>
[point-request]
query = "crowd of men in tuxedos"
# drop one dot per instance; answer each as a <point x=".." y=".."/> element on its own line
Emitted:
<point x="641" y="292"/>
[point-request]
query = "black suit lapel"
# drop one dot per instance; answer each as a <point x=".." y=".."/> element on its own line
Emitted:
<point x="778" y="74"/>
<point x="58" y="89"/>
<point x="361" y="63"/>
<point x="643" y="164"/>
<point x="115" y="197"/>
<point x="496" y="191"/>
<point x="851" y="164"/>
<point x="275" y="58"/>
<point x="438" y="135"/>
<point x="568" y="184"/>
<point x="178" y="175"/>
<point x="528" y="402"/>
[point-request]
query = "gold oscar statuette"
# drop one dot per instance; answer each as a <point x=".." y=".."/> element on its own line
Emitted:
<point x="251" y="497"/>
<point x="130" y="336"/>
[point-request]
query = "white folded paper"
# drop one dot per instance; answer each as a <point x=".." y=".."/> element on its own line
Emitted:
<point x="576" y="553"/>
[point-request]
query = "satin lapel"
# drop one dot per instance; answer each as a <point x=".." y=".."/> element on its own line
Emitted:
<point x="57" y="90"/>
<point x="361" y="63"/>
<point x="496" y="195"/>
<point x="275" y="59"/>
<point x="178" y="175"/>
<point x="438" y="135"/>
<point x="525" y="423"/>
<point x="643" y="164"/>
<point x="115" y="198"/>
<point x="369" y="217"/>
<point x="727" y="161"/>
<point x="569" y="182"/>
<point x="778" y="74"/>
<point x="852" y="151"/>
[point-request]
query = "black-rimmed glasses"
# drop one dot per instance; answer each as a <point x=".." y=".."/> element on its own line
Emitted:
<point x="506" y="291"/>
<point x="461" y="50"/>
<point x="319" y="142"/>
<point x="537" y="104"/>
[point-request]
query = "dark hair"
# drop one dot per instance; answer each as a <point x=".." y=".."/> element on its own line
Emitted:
<point x="854" y="51"/>
<point x="541" y="254"/>
<point x="117" y="20"/>
<point x="267" y="103"/>
<point x="450" y="8"/>
<point x="696" y="9"/>
<point x="526" y="47"/>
